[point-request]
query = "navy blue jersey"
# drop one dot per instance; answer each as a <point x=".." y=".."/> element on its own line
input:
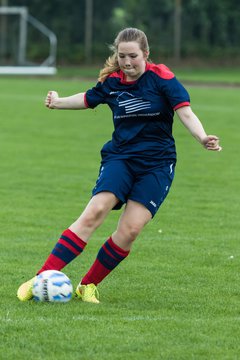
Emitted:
<point x="143" y="112"/>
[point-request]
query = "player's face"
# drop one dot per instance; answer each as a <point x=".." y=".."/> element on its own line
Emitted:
<point x="131" y="60"/>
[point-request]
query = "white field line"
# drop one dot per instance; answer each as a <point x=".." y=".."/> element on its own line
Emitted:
<point x="8" y="318"/>
<point x="137" y="318"/>
<point x="125" y="318"/>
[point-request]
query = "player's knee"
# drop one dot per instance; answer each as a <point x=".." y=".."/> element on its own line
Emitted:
<point x="131" y="231"/>
<point x="94" y="216"/>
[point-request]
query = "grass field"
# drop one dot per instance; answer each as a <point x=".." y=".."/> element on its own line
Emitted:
<point x="177" y="296"/>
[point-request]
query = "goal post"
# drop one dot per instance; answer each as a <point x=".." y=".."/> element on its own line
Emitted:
<point x="21" y="65"/>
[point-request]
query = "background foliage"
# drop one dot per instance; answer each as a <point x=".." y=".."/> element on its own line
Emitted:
<point x="210" y="29"/>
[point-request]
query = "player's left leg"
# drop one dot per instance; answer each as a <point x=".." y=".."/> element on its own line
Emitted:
<point x="131" y="223"/>
<point x="115" y="249"/>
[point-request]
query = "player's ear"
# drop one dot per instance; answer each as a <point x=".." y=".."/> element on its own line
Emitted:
<point x="146" y="54"/>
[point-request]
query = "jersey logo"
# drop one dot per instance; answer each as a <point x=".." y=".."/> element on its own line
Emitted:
<point x="132" y="104"/>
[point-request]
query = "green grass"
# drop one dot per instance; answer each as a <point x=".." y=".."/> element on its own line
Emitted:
<point x="177" y="296"/>
<point x="229" y="76"/>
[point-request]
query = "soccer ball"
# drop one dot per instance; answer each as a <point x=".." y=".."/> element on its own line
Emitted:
<point x="53" y="286"/>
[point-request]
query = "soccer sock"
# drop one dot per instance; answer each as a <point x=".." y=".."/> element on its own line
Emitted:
<point x="67" y="248"/>
<point x="109" y="256"/>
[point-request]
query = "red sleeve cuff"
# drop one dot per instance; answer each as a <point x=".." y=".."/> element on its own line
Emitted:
<point x="186" y="103"/>
<point x="85" y="100"/>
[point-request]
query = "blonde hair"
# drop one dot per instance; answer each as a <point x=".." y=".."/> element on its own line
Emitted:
<point x="129" y="34"/>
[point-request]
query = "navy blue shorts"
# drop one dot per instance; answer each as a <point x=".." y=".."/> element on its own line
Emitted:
<point x="135" y="180"/>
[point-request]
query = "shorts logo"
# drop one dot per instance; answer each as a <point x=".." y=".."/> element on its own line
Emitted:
<point x="99" y="176"/>
<point x="153" y="203"/>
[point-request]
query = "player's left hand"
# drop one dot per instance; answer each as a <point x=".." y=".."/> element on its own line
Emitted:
<point x="211" y="142"/>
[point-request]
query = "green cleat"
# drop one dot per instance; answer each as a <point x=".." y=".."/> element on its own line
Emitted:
<point x="88" y="293"/>
<point x="24" y="292"/>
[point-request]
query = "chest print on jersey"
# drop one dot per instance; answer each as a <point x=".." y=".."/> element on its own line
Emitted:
<point x="131" y="103"/>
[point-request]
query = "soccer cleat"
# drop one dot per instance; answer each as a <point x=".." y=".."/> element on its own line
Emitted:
<point x="88" y="293"/>
<point x="24" y="292"/>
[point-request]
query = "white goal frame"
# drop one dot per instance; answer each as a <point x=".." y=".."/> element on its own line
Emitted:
<point x="48" y="66"/>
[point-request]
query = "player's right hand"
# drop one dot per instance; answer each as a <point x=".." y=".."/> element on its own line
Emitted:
<point x="50" y="98"/>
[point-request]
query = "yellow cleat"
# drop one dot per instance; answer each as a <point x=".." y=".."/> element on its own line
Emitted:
<point x="24" y="292"/>
<point x="88" y="293"/>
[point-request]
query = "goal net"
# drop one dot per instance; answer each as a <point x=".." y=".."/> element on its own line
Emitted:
<point x="26" y="45"/>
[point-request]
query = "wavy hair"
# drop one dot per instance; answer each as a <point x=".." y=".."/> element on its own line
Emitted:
<point x="129" y="34"/>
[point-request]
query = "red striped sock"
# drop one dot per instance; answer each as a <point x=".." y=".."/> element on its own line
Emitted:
<point x="67" y="248"/>
<point x="109" y="256"/>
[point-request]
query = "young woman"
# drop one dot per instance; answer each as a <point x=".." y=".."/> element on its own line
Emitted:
<point x="138" y="163"/>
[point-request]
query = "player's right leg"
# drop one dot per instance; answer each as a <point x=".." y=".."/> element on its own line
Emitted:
<point x="74" y="239"/>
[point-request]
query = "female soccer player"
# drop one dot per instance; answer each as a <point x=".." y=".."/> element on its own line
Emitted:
<point x="138" y="163"/>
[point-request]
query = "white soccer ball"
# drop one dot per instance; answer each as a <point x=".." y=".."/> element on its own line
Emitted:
<point x="53" y="286"/>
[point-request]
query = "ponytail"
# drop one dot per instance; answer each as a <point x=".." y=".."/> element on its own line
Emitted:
<point x="110" y="66"/>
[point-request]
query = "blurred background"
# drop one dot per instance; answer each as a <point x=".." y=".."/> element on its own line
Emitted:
<point x="182" y="32"/>
<point x="182" y="281"/>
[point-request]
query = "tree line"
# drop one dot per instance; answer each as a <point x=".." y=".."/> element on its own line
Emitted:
<point x="209" y="30"/>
